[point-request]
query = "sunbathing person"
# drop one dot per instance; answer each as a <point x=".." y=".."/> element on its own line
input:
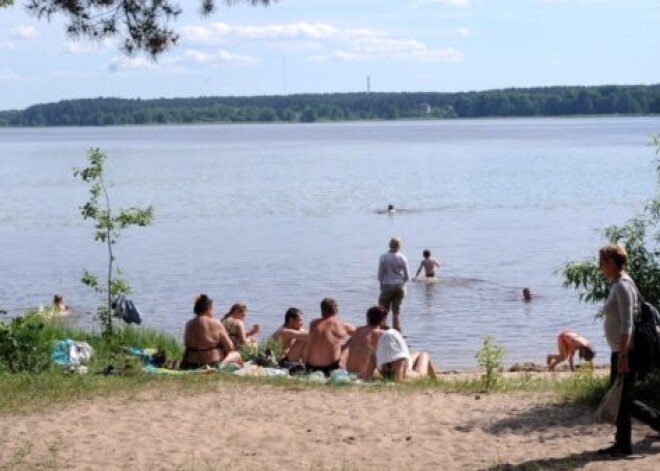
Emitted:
<point x="393" y="359"/>
<point x="292" y="336"/>
<point x="234" y="322"/>
<point x="205" y="339"/>
<point x="326" y="338"/>
<point x="361" y="348"/>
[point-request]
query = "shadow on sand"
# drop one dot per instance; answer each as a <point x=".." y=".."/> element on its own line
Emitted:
<point x="576" y="421"/>
<point x="648" y="446"/>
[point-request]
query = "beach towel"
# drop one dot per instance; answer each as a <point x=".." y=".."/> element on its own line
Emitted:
<point x="69" y="353"/>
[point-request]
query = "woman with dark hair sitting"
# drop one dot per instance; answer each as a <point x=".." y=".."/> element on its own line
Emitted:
<point x="205" y="339"/>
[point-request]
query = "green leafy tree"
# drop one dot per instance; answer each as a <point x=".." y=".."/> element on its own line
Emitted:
<point x="641" y="237"/>
<point x="141" y="26"/>
<point x="108" y="225"/>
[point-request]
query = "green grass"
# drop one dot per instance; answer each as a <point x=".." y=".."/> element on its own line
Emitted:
<point x="130" y="336"/>
<point x="24" y="393"/>
<point x="53" y="387"/>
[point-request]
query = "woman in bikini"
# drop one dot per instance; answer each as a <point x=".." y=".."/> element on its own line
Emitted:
<point x="234" y="323"/>
<point x="361" y="348"/>
<point x="205" y="339"/>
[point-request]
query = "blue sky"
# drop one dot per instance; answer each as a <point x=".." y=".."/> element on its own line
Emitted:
<point x="323" y="46"/>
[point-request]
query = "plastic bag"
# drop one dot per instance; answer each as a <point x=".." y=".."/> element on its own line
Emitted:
<point x="608" y="410"/>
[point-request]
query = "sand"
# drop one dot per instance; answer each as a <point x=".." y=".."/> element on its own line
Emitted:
<point x="253" y="427"/>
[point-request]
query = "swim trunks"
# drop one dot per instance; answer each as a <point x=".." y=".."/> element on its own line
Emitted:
<point x="326" y="370"/>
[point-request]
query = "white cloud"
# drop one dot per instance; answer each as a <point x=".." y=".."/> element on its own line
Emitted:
<point x="446" y="3"/>
<point x="414" y="52"/>
<point x="219" y="33"/>
<point x="84" y="47"/>
<point x="8" y="75"/>
<point x="70" y="74"/>
<point x="329" y="41"/>
<point x="136" y="62"/>
<point x="217" y="57"/>
<point x="463" y="32"/>
<point x="23" y="32"/>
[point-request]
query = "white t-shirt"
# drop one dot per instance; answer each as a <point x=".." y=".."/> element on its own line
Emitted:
<point x="391" y="347"/>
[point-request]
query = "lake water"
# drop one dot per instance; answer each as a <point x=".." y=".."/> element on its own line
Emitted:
<point x="284" y="215"/>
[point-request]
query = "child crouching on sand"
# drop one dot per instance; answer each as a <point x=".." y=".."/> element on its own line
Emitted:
<point x="568" y="343"/>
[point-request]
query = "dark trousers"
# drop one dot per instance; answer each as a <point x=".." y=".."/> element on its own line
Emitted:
<point x="629" y="407"/>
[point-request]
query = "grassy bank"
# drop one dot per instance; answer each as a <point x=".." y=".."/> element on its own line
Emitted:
<point x="28" y="393"/>
<point x="38" y="389"/>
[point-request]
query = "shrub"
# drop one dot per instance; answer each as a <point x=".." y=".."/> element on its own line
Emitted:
<point x="21" y="345"/>
<point x="490" y="357"/>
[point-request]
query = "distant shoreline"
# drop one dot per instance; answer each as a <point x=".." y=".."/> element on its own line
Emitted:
<point x="562" y="101"/>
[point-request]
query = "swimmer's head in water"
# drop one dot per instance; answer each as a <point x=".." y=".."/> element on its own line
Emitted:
<point x="390" y="207"/>
<point x="527" y="294"/>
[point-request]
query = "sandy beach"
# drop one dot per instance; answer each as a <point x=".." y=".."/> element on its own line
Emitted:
<point x="248" y="427"/>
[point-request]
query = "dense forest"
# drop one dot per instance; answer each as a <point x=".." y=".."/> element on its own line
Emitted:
<point x="548" y="101"/>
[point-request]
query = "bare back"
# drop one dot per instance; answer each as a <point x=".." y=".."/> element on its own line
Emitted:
<point x="325" y="341"/>
<point x="361" y="350"/>
<point x="205" y="340"/>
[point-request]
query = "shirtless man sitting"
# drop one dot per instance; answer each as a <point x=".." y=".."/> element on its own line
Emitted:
<point x="326" y="338"/>
<point x="293" y="337"/>
<point x="361" y="348"/>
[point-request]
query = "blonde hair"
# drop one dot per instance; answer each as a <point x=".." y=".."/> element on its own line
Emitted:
<point x="235" y="307"/>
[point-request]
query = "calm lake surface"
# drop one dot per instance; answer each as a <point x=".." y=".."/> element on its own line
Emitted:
<point x="284" y="215"/>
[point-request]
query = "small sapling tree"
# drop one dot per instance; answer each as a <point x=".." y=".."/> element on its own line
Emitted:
<point x="490" y="358"/>
<point x="108" y="224"/>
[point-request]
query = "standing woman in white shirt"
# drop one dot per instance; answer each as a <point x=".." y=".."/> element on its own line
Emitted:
<point x="393" y="275"/>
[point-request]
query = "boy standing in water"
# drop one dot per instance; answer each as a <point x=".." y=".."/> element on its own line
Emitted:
<point x="428" y="264"/>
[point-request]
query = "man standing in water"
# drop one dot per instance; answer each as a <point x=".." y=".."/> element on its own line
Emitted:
<point x="393" y="275"/>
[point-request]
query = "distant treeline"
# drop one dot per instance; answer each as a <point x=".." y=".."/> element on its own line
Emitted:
<point x="549" y="101"/>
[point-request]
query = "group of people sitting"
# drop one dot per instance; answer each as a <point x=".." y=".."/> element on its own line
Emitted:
<point x="370" y="351"/>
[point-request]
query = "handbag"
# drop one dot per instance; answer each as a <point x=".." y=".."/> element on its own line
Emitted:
<point x="608" y="410"/>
